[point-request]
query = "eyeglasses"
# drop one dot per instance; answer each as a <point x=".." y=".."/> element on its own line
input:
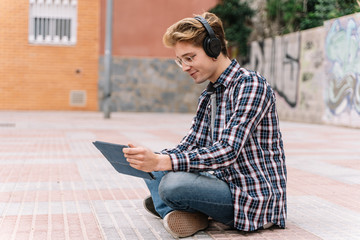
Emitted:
<point x="187" y="60"/>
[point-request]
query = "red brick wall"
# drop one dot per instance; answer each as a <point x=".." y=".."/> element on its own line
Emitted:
<point x="140" y="24"/>
<point x="38" y="77"/>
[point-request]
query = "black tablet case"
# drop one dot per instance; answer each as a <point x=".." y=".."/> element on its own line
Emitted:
<point x="114" y="154"/>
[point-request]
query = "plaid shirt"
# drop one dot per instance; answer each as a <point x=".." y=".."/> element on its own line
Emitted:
<point x="247" y="150"/>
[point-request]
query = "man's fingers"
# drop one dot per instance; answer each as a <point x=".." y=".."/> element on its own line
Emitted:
<point x="127" y="150"/>
<point x="138" y="167"/>
<point x="138" y="157"/>
<point x="135" y="163"/>
<point x="134" y="153"/>
<point x="135" y="157"/>
<point x="131" y="151"/>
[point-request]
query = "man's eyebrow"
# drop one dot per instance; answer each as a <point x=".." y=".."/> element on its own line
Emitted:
<point x="187" y="54"/>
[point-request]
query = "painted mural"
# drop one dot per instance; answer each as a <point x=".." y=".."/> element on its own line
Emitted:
<point x="293" y="66"/>
<point x="278" y="60"/>
<point x="342" y="52"/>
<point x="315" y="73"/>
<point x="311" y="105"/>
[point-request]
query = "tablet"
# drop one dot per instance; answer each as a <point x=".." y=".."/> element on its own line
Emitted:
<point x="114" y="154"/>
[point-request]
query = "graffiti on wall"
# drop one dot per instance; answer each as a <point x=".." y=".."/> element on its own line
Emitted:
<point x="342" y="50"/>
<point x="315" y="72"/>
<point x="278" y="59"/>
<point x="311" y="74"/>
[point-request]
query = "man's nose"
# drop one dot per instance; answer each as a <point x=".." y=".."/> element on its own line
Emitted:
<point x="185" y="67"/>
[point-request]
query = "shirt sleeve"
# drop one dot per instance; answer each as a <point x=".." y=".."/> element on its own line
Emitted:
<point x="251" y="98"/>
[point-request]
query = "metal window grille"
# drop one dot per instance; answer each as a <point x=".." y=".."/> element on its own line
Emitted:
<point x="53" y="22"/>
<point x="78" y="98"/>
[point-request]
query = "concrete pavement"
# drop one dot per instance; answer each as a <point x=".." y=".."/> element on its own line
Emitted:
<point x="54" y="184"/>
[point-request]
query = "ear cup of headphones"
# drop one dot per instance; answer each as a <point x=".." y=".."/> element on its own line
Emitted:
<point x="212" y="47"/>
<point x="211" y="44"/>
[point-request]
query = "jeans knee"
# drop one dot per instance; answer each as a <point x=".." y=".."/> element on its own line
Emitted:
<point x="172" y="187"/>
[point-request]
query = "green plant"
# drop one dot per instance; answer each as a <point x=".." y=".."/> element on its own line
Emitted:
<point x="236" y="18"/>
<point x="295" y="15"/>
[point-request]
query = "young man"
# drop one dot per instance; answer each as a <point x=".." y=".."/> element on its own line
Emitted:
<point x="231" y="164"/>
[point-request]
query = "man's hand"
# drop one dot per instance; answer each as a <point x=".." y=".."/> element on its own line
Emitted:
<point x="145" y="160"/>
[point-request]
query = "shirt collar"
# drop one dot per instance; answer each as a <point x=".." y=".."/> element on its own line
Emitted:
<point x="226" y="76"/>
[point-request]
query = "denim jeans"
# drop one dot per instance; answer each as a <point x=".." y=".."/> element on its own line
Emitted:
<point x="192" y="192"/>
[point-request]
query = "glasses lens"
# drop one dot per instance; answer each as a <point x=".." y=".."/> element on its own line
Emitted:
<point x="178" y="62"/>
<point x="187" y="60"/>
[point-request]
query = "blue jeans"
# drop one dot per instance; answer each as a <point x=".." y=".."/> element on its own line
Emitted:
<point x="192" y="192"/>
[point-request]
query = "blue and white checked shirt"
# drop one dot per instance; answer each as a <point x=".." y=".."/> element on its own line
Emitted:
<point x="247" y="151"/>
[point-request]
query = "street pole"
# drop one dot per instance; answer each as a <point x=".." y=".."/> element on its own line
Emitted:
<point x="108" y="58"/>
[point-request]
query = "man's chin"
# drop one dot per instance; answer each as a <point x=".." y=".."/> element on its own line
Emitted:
<point x="199" y="81"/>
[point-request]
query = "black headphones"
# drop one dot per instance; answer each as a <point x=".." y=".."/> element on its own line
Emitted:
<point x="211" y="44"/>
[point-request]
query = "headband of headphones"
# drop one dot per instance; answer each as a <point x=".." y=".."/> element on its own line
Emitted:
<point x="211" y="44"/>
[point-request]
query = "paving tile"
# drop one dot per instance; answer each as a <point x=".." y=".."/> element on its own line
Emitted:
<point x="54" y="184"/>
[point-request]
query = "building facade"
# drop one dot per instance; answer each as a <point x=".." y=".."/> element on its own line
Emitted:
<point x="144" y="75"/>
<point x="49" y="54"/>
<point x="52" y="55"/>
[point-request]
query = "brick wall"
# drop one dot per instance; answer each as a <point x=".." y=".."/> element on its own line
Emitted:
<point x="145" y="77"/>
<point x="40" y="77"/>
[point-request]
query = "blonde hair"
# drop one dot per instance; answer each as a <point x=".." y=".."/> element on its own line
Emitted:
<point x="192" y="31"/>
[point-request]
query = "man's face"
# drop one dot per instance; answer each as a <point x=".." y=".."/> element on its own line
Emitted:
<point x="195" y="62"/>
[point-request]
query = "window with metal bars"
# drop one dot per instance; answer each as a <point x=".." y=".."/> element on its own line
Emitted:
<point x="53" y="22"/>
